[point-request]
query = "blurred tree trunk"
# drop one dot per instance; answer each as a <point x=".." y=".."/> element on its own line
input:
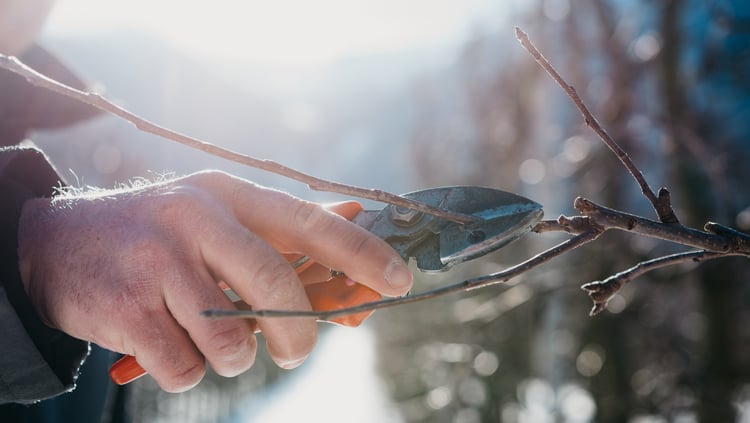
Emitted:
<point x="720" y="283"/>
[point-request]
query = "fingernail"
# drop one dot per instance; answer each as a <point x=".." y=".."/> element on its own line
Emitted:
<point x="398" y="275"/>
<point x="288" y="365"/>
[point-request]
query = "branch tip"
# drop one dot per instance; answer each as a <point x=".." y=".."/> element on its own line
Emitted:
<point x="520" y="35"/>
<point x="597" y="308"/>
<point x="603" y="291"/>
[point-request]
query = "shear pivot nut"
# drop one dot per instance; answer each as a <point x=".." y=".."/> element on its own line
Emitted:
<point x="403" y="216"/>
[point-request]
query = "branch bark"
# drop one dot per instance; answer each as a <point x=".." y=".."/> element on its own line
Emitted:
<point x="35" y="78"/>
<point x="720" y="240"/>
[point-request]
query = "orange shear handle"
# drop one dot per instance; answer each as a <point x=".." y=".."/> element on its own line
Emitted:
<point x="335" y="293"/>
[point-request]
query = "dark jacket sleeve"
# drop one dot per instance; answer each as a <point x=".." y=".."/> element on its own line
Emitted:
<point x="36" y="361"/>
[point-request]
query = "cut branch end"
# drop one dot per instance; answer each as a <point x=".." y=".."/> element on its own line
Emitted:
<point x="601" y="292"/>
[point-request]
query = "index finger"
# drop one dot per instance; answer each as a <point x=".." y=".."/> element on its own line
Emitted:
<point x="294" y="225"/>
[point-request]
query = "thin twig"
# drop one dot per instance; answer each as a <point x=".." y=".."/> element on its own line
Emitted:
<point x="572" y="225"/>
<point x="467" y="285"/>
<point x="603" y="291"/>
<point x="35" y="78"/>
<point x="661" y="203"/>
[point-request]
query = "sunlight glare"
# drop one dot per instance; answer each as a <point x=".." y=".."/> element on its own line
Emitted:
<point x="286" y="32"/>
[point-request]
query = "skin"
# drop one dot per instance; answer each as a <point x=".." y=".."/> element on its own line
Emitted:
<point x="131" y="270"/>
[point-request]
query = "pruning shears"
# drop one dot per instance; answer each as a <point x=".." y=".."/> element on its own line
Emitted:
<point x="435" y="244"/>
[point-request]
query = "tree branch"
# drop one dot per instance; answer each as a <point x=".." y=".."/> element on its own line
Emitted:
<point x="603" y="291"/>
<point x="722" y="240"/>
<point x="35" y="78"/>
<point x="661" y="203"/>
<point x="467" y="285"/>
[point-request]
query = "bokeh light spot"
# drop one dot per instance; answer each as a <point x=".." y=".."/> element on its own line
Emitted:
<point x="537" y="394"/>
<point x="576" y="404"/>
<point x="106" y="159"/>
<point x="455" y="353"/>
<point x="576" y="149"/>
<point x="590" y="360"/>
<point x="486" y="363"/>
<point x="646" y="47"/>
<point x="531" y="171"/>
<point x="743" y="219"/>
<point x="617" y="304"/>
<point x="439" y="398"/>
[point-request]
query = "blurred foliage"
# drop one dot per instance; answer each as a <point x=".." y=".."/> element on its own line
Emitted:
<point x="670" y="81"/>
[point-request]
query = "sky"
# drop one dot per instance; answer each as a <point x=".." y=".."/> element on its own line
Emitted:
<point x="282" y="32"/>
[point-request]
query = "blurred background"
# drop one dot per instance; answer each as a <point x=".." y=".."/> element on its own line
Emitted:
<point x="403" y="95"/>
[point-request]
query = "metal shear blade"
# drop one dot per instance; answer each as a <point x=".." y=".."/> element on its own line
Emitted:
<point x="438" y="244"/>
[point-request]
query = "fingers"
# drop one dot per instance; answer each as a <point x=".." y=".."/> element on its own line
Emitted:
<point x="264" y="280"/>
<point x="229" y="345"/>
<point x="294" y="225"/>
<point x="166" y="352"/>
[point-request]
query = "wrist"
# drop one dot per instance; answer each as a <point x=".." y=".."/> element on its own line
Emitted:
<point x="31" y="243"/>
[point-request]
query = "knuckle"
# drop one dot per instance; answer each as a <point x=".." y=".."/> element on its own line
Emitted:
<point x="230" y="343"/>
<point x="362" y="244"/>
<point x="272" y="273"/>
<point x="209" y="178"/>
<point x="233" y="351"/>
<point x="309" y="216"/>
<point x="182" y="204"/>
<point x="184" y="375"/>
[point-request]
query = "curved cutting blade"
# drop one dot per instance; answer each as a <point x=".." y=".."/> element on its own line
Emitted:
<point x="438" y="244"/>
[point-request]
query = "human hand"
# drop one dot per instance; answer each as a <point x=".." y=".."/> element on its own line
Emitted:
<point x="131" y="270"/>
